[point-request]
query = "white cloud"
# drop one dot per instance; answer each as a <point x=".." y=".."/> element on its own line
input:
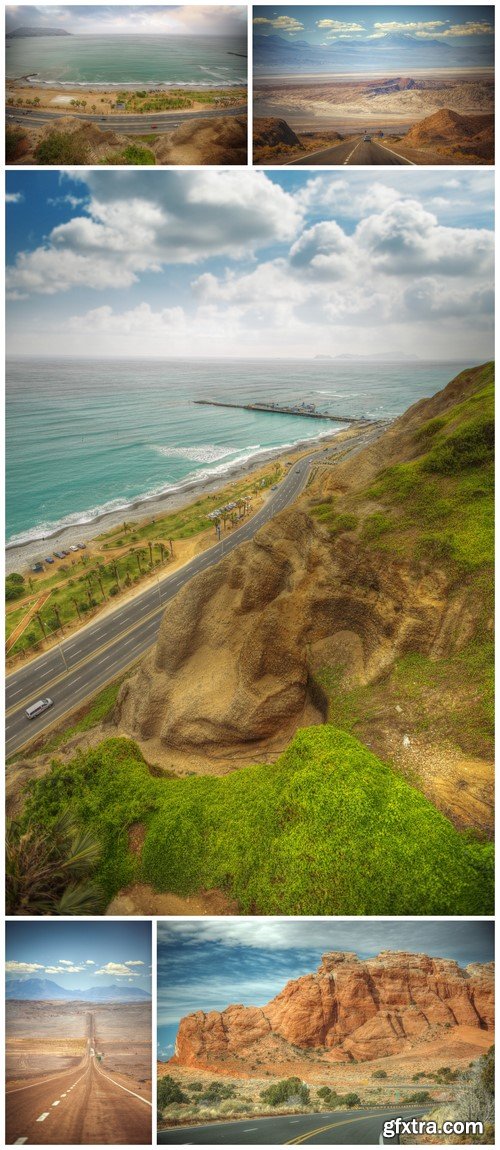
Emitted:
<point x="340" y="26"/>
<point x="117" y="970"/>
<point x="134" y="962"/>
<point x="134" y="225"/>
<point x="281" y="23"/>
<point x="56" y="970"/>
<point x="65" y="961"/>
<point x="435" y="29"/>
<point x="14" y="198"/>
<point x="13" y="967"/>
<point x="89" y="962"/>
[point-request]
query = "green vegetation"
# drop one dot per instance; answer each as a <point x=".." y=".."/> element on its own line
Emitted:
<point x="48" y="871"/>
<point x="169" y="1091"/>
<point x="334" y="1101"/>
<point x="16" y="144"/>
<point x="14" y="586"/>
<point x="439" y="508"/>
<point x="178" y="99"/>
<point x="327" y="829"/>
<point x="379" y="1074"/>
<point x="335" y="522"/>
<point x="62" y="148"/>
<point x="290" y="1090"/>
<point x="133" y="154"/>
<point x="129" y="553"/>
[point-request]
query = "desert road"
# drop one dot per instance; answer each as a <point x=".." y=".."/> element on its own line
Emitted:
<point x="81" y="1106"/>
<point x="355" y="152"/>
<point x="78" y="666"/>
<point x="339" y="1128"/>
<point x="128" y="125"/>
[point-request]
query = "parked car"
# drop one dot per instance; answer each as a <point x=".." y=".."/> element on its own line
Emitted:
<point x="49" y="559"/>
<point x="82" y="546"/>
<point x="59" y="554"/>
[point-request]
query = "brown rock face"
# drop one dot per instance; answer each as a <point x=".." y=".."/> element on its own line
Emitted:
<point x="356" y="1010"/>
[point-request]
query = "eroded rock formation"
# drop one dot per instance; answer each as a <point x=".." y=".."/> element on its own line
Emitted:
<point x="356" y="1010"/>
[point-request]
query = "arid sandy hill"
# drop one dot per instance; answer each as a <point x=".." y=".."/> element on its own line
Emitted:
<point x="354" y="1010"/>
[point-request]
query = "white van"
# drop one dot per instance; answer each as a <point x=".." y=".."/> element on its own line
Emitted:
<point x="39" y="707"/>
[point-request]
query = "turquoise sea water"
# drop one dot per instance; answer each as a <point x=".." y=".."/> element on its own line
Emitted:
<point x="128" y="61"/>
<point x="89" y="436"/>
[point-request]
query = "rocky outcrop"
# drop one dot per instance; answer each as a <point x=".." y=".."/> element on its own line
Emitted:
<point x="354" y="1010"/>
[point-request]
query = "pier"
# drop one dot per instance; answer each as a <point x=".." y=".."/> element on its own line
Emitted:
<point x="303" y="409"/>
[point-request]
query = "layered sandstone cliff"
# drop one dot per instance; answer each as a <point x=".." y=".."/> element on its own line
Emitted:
<point x="353" y="1010"/>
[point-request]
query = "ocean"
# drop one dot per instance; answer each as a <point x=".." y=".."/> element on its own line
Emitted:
<point x="129" y="61"/>
<point x="89" y="436"/>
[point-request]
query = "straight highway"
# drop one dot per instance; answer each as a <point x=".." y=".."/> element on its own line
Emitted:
<point x="79" y="665"/>
<point x="80" y="1106"/>
<point x="126" y="124"/>
<point x="360" y="151"/>
<point x="338" y="1128"/>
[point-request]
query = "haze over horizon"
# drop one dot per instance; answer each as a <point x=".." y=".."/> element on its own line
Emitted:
<point x="218" y="264"/>
<point x="147" y="19"/>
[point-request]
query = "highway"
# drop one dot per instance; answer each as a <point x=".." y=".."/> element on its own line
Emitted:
<point x="78" y="666"/>
<point x="354" y="152"/>
<point x="126" y="125"/>
<point x="338" y="1128"/>
<point x="81" y="1106"/>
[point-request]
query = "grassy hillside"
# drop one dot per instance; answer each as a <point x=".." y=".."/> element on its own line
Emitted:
<point x="328" y="829"/>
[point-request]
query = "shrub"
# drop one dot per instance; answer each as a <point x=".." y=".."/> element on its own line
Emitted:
<point x="287" y="1090"/>
<point x="49" y="872"/>
<point x="16" y="144"/>
<point x="134" y="154"/>
<point x="62" y="148"/>
<point x="379" y="1074"/>
<point x="169" y="1091"/>
<point x="469" y="446"/>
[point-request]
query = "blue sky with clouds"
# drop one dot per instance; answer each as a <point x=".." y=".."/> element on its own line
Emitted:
<point x="209" y="964"/>
<point x="86" y="19"/>
<point x="231" y="263"/>
<point x="80" y="954"/>
<point x="322" y="24"/>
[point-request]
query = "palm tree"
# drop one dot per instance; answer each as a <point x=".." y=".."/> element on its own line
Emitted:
<point x="48" y="869"/>
<point x="98" y="574"/>
<point x="150" y="545"/>
<point x="171" y="547"/>
<point x="75" y="602"/>
<point x="38" y="617"/>
<point x="114" y="568"/>
<point x="57" y="617"/>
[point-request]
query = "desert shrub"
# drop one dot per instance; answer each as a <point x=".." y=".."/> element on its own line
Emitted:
<point x="379" y="1074"/>
<point x="62" y="148"/>
<point x="351" y="1100"/>
<point x="168" y="1092"/>
<point x="287" y="1090"/>
<point x="376" y="525"/>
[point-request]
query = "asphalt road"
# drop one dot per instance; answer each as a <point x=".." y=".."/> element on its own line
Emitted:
<point x="338" y="1128"/>
<point x="127" y="125"/>
<point x="77" y="667"/>
<point x="353" y="152"/>
<point x="81" y="1106"/>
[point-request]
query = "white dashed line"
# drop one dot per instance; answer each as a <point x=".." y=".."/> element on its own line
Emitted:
<point x="43" y="1116"/>
<point x="20" y="1141"/>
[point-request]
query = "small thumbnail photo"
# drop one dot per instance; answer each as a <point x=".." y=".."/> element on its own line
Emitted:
<point x="78" y="1033"/>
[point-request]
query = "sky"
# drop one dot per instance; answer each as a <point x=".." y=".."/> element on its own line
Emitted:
<point x="359" y="23"/>
<point x="81" y="954"/>
<point x="210" y="964"/>
<point x="250" y="264"/>
<point x="88" y="19"/>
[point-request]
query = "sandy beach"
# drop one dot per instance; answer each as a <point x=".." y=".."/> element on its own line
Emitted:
<point x="20" y="556"/>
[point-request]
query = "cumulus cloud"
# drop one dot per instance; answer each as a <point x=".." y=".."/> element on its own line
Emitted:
<point x="435" y="29"/>
<point x="134" y="962"/>
<point x="117" y="970"/>
<point x="281" y="23"/>
<point x="340" y="26"/>
<point x="14" y="198"/>
<point x="133" y="225"/>
<point x="13" y="967"/>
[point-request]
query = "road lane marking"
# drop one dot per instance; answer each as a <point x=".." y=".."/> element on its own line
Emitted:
<point x="56" y="1103"/>
<point x="398" y="156"/>
<point x="125" y="1088"/>
<point x="20" y="1141"/>
<point x="43" y="1116"/>
<point x="352" y="153"/>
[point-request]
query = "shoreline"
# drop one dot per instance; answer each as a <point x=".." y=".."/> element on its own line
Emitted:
<point x="20" y="555"/>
